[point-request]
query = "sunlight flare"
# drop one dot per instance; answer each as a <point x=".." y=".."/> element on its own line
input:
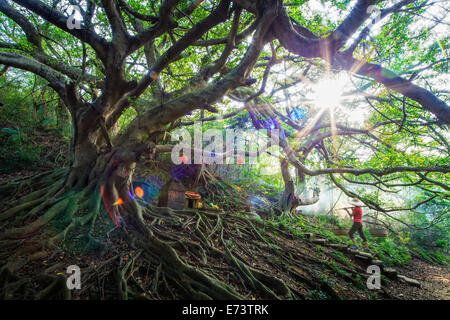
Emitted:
<point x="327" y="93"/>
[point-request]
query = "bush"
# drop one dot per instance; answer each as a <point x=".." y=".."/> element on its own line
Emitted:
<point x="16" y="151"/>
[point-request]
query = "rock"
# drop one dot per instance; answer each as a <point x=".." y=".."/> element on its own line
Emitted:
<point x="362" y="257"/>
<point x="410" y="281"/>
<point x="390" y="273"/>
<point x="365" y="254"/>
<point x="377" y="262"/>
<point x="337" y="246"/>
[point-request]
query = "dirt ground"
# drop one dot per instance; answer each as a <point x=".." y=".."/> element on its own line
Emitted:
<point x="435" y="282"/>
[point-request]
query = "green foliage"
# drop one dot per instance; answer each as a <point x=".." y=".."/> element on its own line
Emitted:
<point x="431" y="238"/>
<point x="390" y="251"/>
<point x="339" y="256"/>
<point x="28" y="111"/>
<point x="17" y="150"/>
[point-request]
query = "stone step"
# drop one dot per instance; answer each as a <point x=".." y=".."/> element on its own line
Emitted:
<point x="365" y="254"/>
<point x="362" y="257"/>
<point x="337" y="246"/>
<point x="377" y="262"/>
<point x="410" y="281"/>
<point x="307" y="235"/>
<point x="391" y="273"/>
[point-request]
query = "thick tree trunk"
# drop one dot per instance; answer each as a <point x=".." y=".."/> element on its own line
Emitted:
<point x="287" y="201"/>
<point x="101" y="169"/>
<point x="290" y="198"/>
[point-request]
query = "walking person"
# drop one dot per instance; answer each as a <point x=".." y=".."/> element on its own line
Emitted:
<point x="356" y="213"/>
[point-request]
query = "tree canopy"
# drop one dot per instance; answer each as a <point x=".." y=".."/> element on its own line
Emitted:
<point x="146" y="65"/>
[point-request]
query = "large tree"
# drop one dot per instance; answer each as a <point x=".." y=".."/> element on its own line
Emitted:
<point x="167" y="59"/>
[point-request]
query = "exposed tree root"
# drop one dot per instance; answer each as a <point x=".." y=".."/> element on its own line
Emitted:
<point x="156" y="253"/>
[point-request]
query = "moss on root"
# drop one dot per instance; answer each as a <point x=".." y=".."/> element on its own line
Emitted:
<point x="157" y="253"/>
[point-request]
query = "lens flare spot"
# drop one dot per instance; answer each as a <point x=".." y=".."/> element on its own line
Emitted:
<point x="183" y="158"/>
<point x="118" y="202"/>
<point x="154" y="75"/>
<point x="139" y="192"/>
<point x="327" y="93"/>
<point x="297" y="114"/>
